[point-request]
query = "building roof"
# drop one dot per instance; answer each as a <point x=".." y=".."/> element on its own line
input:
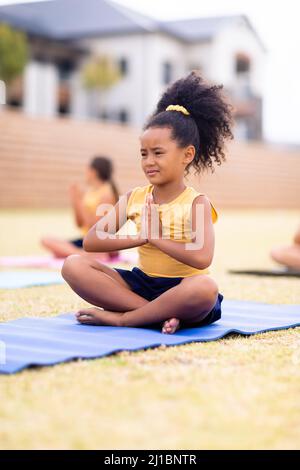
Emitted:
<point x="75" y="19"/>
<point x="205" y="28"/>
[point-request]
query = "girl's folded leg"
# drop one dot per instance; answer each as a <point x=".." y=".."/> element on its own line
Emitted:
<point x="99" y="284"/>
<point x="190" y="300"/>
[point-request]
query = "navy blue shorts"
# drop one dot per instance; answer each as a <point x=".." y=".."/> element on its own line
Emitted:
<point x="77" y="242"/>
<point x="151" y="287"/>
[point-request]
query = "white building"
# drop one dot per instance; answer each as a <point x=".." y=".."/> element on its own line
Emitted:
<point x="65" y="34"/>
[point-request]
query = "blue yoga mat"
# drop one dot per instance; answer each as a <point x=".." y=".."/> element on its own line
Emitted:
<point x="46" y="341"/>
<point x="15" y="279"/>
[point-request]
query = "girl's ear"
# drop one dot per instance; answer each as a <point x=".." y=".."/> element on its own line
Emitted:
<point x="189" y="154"/>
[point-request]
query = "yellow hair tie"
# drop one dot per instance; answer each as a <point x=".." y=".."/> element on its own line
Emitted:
<point x="177" y="107"/>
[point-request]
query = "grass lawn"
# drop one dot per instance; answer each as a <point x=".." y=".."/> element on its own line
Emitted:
<point x="235" y="393"/>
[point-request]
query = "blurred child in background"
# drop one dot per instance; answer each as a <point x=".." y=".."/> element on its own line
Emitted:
<point x="101" y="189"/>
<point x="288" y="256"/>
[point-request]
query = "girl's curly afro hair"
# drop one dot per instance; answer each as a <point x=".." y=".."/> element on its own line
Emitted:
<point x="208" y="125"/>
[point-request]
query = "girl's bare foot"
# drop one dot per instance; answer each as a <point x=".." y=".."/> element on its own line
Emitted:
<point x="98" y="316"/>
<point x="170" y="326"/>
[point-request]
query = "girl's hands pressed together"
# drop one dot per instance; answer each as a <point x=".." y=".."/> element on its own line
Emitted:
<point x="150" y="215"/>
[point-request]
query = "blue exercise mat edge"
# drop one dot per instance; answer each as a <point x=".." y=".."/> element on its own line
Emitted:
<point x="18" y="279"/>
<point x="182" y="336"/>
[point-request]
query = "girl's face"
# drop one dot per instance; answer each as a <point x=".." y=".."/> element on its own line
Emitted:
<point x="162" y="154"/>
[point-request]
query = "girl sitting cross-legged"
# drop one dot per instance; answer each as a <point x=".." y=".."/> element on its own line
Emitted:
<point x="170" y="288"/>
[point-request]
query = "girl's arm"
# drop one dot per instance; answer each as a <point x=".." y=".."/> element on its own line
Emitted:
<point x="83" y="216"/>
<point x="201" y="257"/>
<point x="97" y="238"/>
<point x="76" y="201"/>
<point x="90" y="218"/>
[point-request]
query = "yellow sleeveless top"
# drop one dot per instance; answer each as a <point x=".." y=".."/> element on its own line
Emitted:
<point x="152" y="260"/>
<point x="91" y="200"/>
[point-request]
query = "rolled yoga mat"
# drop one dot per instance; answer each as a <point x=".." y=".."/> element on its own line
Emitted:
<point x="46" y="261"/>
<point x="285" y="272"/>
<point x="33" y="261"/>
<point x="47" y="341"/>
<point x="18" y="279"/>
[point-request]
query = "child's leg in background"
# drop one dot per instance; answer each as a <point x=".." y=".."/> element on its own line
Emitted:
<point x="63" y="248"/>
<point x="287" y="256"/>
<point x="60" y="248"/>
<point x="99" y="284"/>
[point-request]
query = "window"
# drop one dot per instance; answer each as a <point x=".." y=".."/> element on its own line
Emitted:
<point x="242" y="63"/>
<point x="243" y="88"/>
<point x="14" y="93"/>
<point x="123" y="115"/>
<point x="104" y="115"/>
<point x="167" y="72"/>
<point x="65" y="68"/>
<point x="64" y="108"/>
<point x="123" y="65"/>
<point x="14" y="102"/>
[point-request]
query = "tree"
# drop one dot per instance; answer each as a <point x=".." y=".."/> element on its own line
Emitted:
<point x="13" y="53"/>
<point x="100" y="73"/>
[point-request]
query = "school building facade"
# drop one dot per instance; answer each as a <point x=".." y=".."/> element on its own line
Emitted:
<point x="65" y="34"/>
